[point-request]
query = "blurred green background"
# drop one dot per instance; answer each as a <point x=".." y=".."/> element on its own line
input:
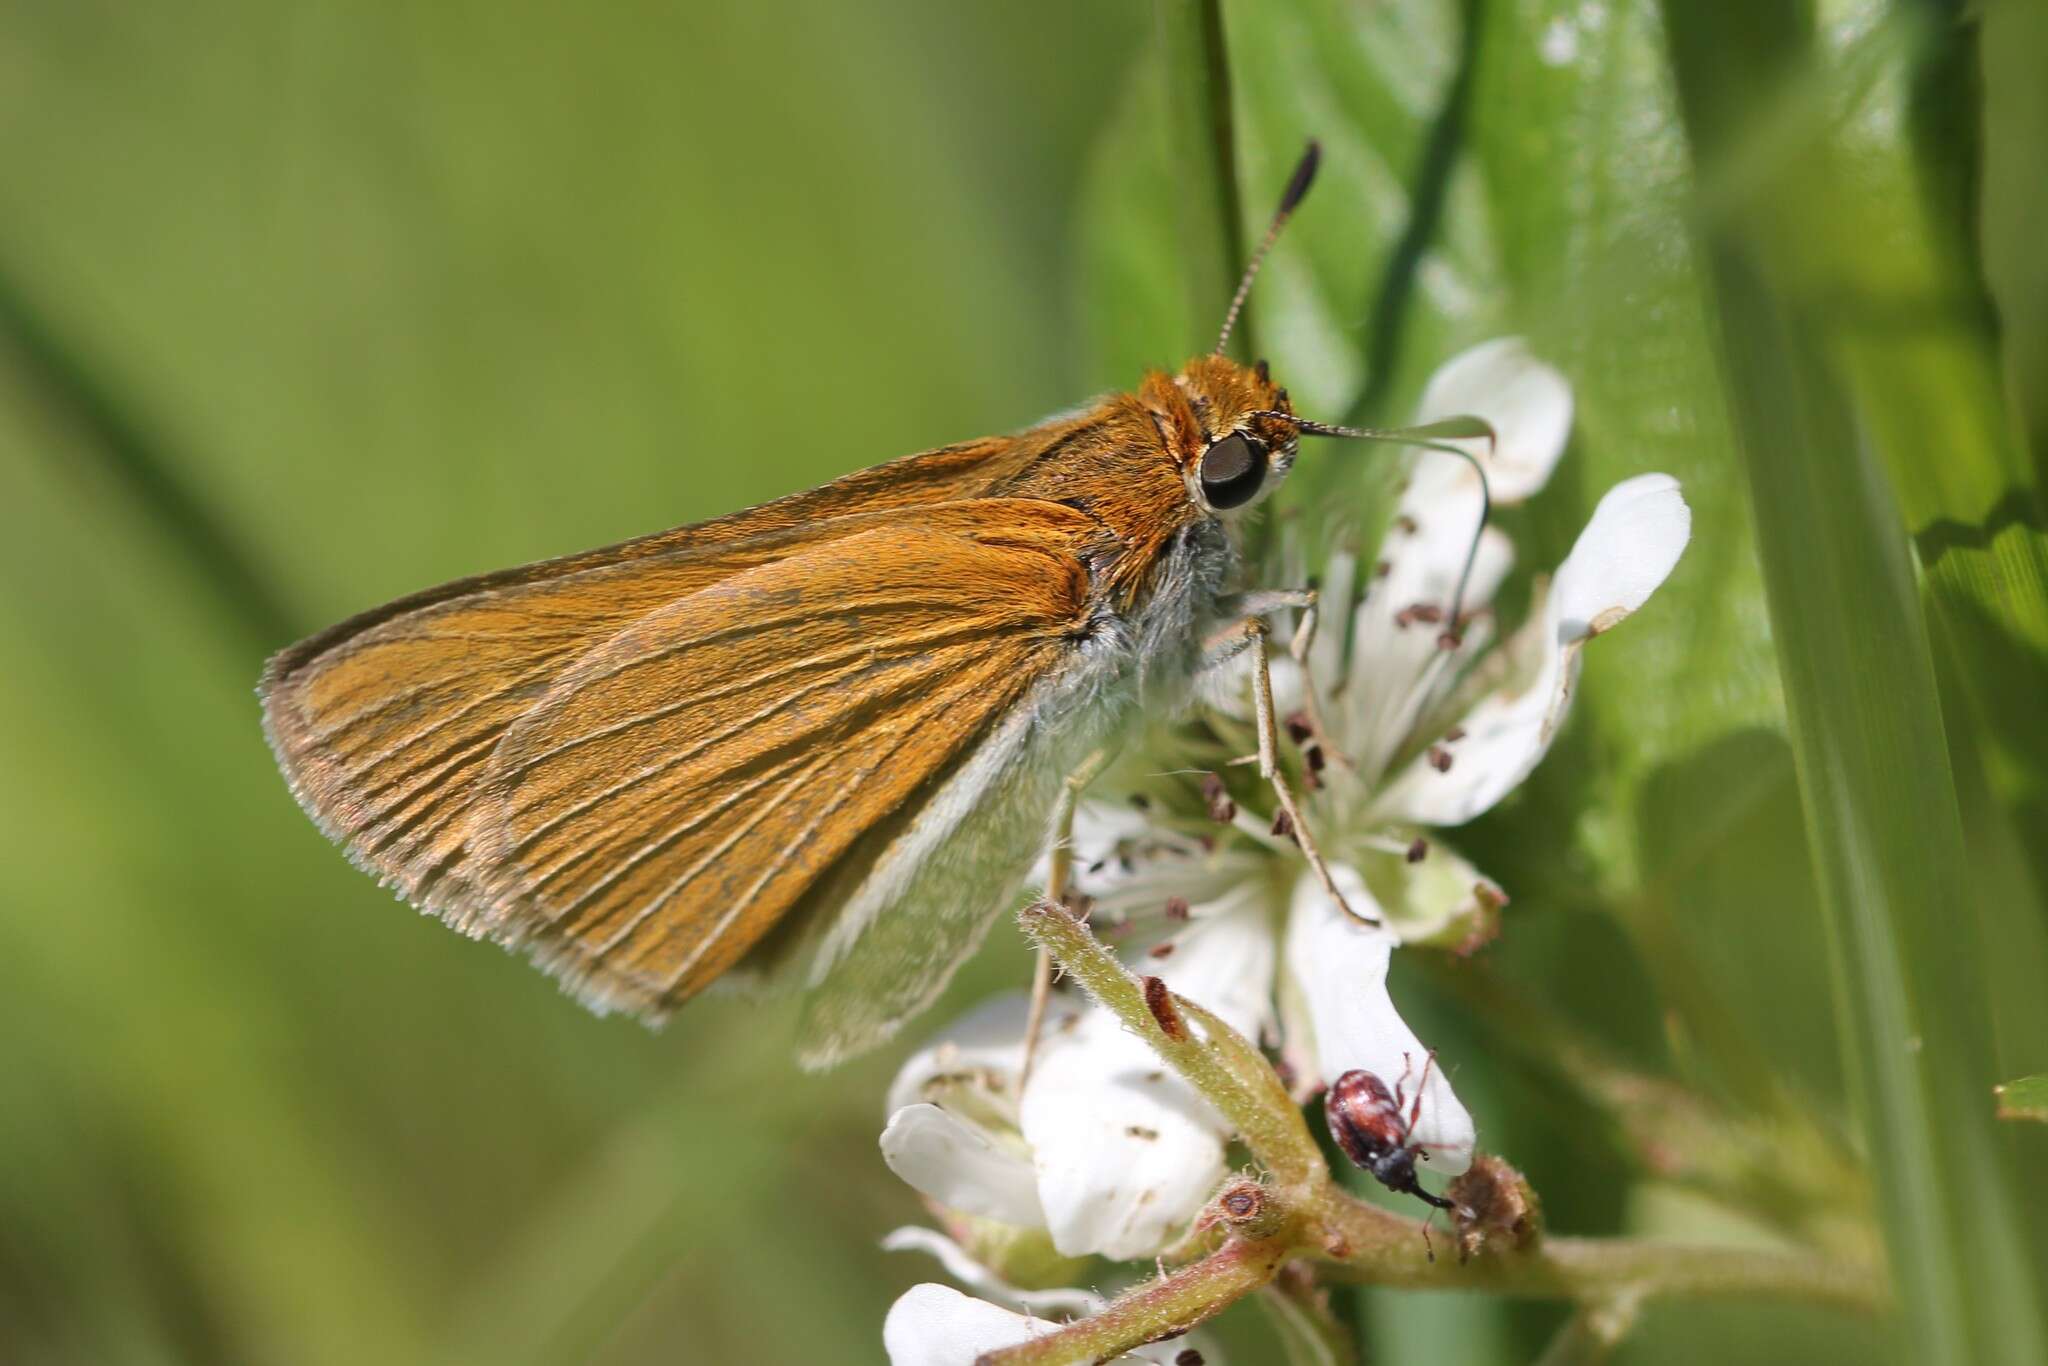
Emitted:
<point x="312" y="304"/>
<point x="394" y="293"/>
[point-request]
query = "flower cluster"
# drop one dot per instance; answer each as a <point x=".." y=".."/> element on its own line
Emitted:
<point x="1404" y="722"/>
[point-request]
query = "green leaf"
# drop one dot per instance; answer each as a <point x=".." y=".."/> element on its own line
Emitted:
<point x="1875" y="776"/>
<point x="1559" y="213"/>
<point x="2026" y="1098"/>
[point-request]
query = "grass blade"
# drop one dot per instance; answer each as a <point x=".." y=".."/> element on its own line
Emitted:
<point x="1867" y="731"/>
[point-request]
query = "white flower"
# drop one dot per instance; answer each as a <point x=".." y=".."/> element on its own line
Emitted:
<point x="1438" y="724"/>
<point x="1105" y="1147"/>
<point x="1431" y="721"/>
<point x="936" y="1325"/>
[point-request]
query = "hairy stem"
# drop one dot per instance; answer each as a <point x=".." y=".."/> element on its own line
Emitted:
<point x="1380" y="1248"/>
<point x="1165" y="1308"/>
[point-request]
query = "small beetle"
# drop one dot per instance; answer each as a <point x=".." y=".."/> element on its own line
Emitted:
<point x="1368" y="1123"/>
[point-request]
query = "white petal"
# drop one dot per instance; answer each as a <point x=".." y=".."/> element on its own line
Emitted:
<point x="1339" y="585"/>
<point x="962" y="1267"/>
<point x="1340" y="966"/>
<point x="936" y="1325"/>
<point x="1628" y="548"/>
<point x="1224" y="956"/>
<point x="1397" y="666"/>
<point x="1126" y="1151"/>
<point x="986" y="1043"/>
<point x="1528" y="403"/>
<point x="1131" y="864"/>
<point x="961" y="1165"/>
<point x="1442" y="900"/>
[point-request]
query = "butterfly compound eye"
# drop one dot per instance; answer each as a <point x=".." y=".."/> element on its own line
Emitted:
<point x="1232" y="471"/>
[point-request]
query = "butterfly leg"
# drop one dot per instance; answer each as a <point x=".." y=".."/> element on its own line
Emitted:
<point x="1269" y="768"/>
<point x="1059" y="871"/>
<point x="1311" y="704"/>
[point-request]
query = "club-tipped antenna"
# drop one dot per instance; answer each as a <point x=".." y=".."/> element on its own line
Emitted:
<point x="1433" y="436"/>
<point x="1297" y="188"/>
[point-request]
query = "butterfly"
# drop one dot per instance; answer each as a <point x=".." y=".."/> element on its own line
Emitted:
<point x="823" y="734"/>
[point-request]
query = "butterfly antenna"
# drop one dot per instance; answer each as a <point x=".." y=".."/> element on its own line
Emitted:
<point x="1428" y="437"/>
<point x="1297" y="187"/>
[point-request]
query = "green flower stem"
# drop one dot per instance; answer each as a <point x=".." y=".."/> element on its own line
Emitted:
<point x="1379" y="1248"/>
<point x="1165" y="1308"/>
<point x="1303" y="1214"/>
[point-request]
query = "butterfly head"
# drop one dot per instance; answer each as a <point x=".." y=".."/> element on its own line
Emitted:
<point x="1246" y="438"/>
<point x="1235" y="443"/>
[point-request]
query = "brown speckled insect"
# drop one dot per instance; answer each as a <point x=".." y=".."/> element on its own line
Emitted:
<point x="1369" y="1124"/>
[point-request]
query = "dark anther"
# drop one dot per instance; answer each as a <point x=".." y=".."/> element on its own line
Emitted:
<point x="1298" y="728"/>
<point x="1265" y="372"/>
<point x="1440" y="758"/>
<point x="1316" y="760"/>
<point x="1161" y="949"/>
<point x="1190" y="1357"/>
<point x="1426" y="612"/>
<point x="1159" y="1001"/>
<point x="1141" y="801"/>
<point x="1407" y="524"/>
<point x="1419" y="850"/>
<point x="1217" y="796"/>
<point x="1283" y="825"/>
<point x="1382" y="569"/>
<point x="1449" y="640"/>
<point x="1454" y="734"/>
<point x="1177" y="908"/>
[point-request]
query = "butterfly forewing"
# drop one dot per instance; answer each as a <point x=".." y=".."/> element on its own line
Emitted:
<point x="664" y="805"/>
<point x="639" y="760"/>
